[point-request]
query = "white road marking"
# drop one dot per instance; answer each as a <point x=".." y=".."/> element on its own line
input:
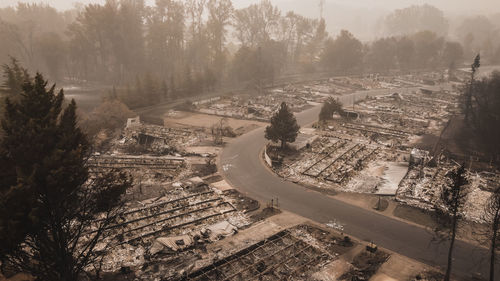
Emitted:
<point x="226" y="167"/>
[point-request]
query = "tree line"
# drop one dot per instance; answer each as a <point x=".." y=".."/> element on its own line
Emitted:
<point x="116" y="41"/>
<point x="477" y="34"/>
<point x="418" y="51"/>
<point x="187" y="47"/>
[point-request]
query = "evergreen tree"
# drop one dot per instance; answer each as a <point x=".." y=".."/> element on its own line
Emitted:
<point x="47" y="202"/>
<point x="283" y="126"/>
<point x="344" y="54"/>
<point x="14" y="77"/>
<point x="329" y="107"/>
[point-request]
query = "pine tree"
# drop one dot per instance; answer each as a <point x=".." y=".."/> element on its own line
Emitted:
<point x="329" y="107"/>
<point x="14" y="77"/>
<point x="283" y="126"/>
<point x="47" y="202"/>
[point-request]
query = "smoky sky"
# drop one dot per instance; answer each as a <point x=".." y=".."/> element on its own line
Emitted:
<point x="361" y="17"/>
<point x="454" y="6"/>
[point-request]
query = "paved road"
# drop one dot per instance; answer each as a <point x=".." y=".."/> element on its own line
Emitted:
<point x="243" y="168"/>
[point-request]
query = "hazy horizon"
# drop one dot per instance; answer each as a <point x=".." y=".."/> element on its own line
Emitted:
<point x="453" y="6"/>
<point x="361" y="17"/>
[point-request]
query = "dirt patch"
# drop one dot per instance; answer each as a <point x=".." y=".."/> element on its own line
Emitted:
<point x="265" y="213"/>
<point x="381" y="205"/>
<point x="241" y="202"/>
<point x="428" y="276"/>
<point x="365" y="265"/>
<point x="415" y="215"/>
<point x="17" y="277"/>
<point x="202" y="170"/>
<point x="330" y="192"/>
<point x="367" y="201"/>
<point x="275" y="151"/>
<point x="399" y="268"/>
<point x="329" y="241"/>
<point x="213" y="179"/>
<point x="222" y="185"/>
<point x="183" y="119"/>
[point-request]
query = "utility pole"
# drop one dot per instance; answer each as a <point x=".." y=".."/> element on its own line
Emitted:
<point x="321" y="8"/>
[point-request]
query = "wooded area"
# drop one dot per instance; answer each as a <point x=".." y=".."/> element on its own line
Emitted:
<point x="183" y="48"/>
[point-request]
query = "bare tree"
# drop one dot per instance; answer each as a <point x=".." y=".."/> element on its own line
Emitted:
<point x="449" y="212"/>
<point x="468" y="92"/>
<point x="218" y="131"/>
<point x="257" y="23"/>
<point x="492" y="218"/>
<point x="220" y="13"/>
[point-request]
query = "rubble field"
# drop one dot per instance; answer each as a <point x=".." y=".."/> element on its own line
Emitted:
<point x="204" y="122"/>
<point x="161" y="140"/>
<point x="336" y="163"/>
<point x="156" y="156"/>
<point x="298" y="97"/>
<point x="292" y="254"/>
<point x="399" y="119"/>
<point x="188" y="216"/>
<point x="373" y="149"/>
<point x="422" y="184"/>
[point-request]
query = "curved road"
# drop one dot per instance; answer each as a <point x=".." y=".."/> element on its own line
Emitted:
<point x="243" y="168"/>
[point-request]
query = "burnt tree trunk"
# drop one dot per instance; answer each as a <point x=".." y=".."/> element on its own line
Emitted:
<point x="450" y="251"/>
<point x="496" y="221"/>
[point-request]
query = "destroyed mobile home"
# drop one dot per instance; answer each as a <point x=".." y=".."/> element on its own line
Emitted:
<point x="155" y="156"/>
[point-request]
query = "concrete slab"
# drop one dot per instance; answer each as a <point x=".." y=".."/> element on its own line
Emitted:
<point x="222" y="185"/>
<point x="203" y="150"/>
